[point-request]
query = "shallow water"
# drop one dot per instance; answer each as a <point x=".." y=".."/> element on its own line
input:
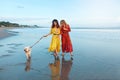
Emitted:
<point x="96" y="56"/>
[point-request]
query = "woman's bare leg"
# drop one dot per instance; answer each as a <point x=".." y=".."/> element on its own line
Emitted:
<point x="63" y="54"/>
<point x="55" y="53"/>
<point x="57" y="57"/>
<point x="71" y="54"/>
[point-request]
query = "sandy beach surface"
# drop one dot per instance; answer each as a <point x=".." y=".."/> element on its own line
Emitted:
<point x="96" y="56"/>
<point x="4" y="32"/>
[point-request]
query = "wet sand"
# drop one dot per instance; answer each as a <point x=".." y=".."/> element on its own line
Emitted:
<point x="4" y="32"/>
<point x="96" y="57"/>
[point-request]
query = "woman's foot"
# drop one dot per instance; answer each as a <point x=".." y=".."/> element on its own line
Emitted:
<point x="57" y="58"/>
<point x="71" y="55"/>
<point x="71" y="58"/>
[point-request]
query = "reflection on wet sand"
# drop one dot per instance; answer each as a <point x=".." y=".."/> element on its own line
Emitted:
<point x="28" y="65"/>
<point x="60" y="72"/>
<point x="66" y="68"/>
<point x="55" y="70"/>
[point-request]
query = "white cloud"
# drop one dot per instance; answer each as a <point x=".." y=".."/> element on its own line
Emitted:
<point x="75" y="12"/>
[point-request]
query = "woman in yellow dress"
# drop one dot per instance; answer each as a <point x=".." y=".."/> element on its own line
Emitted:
<point x="55" y="42"/>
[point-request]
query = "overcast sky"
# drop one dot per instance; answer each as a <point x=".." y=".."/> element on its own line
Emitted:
<point x="78" y="13"/>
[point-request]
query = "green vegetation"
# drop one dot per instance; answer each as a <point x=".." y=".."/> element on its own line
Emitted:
<point x="9" y="24"/>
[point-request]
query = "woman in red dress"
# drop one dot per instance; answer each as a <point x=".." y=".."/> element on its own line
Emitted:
<point x="66" y="42"/>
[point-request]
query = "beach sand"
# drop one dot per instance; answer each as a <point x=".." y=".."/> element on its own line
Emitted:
<point x="96" y="56"/>
<point x="4" y="32"/>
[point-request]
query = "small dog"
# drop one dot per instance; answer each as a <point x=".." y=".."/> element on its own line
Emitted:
<point x="28" y="52"/>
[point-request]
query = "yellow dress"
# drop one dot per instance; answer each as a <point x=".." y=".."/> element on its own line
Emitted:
<point x="55" y="42"/>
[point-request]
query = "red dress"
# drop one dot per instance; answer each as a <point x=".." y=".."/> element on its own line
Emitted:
<point x="66" y="42"/>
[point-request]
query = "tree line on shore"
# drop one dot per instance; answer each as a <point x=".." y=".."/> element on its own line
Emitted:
<point x="9" y="24"/>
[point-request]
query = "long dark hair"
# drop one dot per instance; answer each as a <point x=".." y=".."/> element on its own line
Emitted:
<point x="55" y="20"/>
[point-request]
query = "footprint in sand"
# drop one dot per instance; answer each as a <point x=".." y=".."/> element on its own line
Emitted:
<point x="1" y="45"/>
<point x="10" y="51"/>
<point x="1" y="69"/>
<point x="19" y="64"/>
<point x="14" y="44"/>
<point x="13" y="32"/>
<point x="13" y="48"/>
<point x="7" y="55"/>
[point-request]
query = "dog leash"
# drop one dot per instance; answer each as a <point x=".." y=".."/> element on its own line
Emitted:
<point x="36" y="42"/>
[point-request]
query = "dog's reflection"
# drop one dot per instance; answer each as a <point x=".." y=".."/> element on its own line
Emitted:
<point x="55" y="70"/>
<point x="28" y="64"/>
<point x="66" y="68"/>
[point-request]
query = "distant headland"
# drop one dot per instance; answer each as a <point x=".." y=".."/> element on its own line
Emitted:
<point x="9" y="24"/>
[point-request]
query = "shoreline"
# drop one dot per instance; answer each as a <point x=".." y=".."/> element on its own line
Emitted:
<point x="5" y="33"/>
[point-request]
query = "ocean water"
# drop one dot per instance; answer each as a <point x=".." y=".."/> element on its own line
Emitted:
<point x="96" y="56"/>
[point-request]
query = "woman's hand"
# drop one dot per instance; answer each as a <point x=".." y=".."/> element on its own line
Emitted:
<point x="65" y="28"/>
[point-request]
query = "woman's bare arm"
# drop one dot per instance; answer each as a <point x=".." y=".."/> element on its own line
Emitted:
<point x="65" y="29"/>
